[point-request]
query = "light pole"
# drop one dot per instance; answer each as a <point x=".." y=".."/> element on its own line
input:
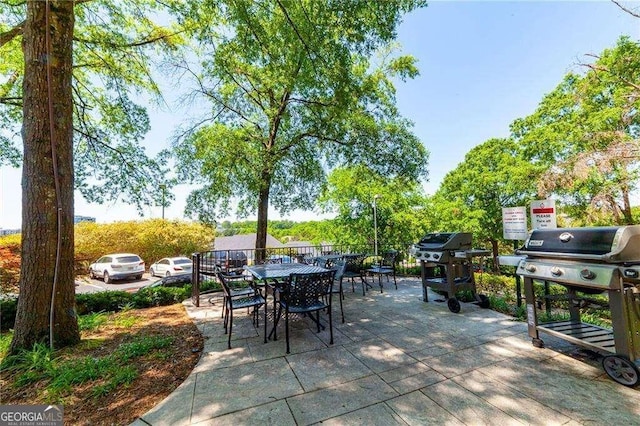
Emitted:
<point x="163" y="187"/>
<point x="375" y="225"/>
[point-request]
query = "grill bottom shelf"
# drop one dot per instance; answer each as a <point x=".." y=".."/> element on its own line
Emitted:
<point x="581" y="334"/>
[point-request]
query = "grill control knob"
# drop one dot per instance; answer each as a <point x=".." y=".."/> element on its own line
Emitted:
<point x="530" y="268"/>
<point x="587" y="274"/>
<point x="436" y="256"/>
<point x="426" y="255"/>
<point x="556" y="272"/>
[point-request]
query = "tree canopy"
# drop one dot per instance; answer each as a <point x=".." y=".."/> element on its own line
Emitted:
<point x="585" y="134"/>
<point x="493" y="175"/>
<point x="116" y="46"/>
<point x="294" y="90"/>
<point x="400" y="208"/>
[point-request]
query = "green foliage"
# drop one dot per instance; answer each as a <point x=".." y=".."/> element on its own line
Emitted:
<point x="5" y="341"/>
<point x="59" y="375"/>
<point x="585" y="136"/>
<point x="37" y="360"/>
<point x="401" y="215"/>
<point x="115" y="46"/>
<point x="91" y="321"/>
<point x="283" y="230"/>
<point x="8" y="309"/>
<point x="160" y="296"/>
<point x="103" y="301"/>
<point x="588" y="318"/>
<point x="150" y="239"/>
<point x="493" y="175"/>
<point x="294" y="91"/>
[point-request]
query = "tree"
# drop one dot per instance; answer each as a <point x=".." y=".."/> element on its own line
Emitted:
<point x="47" y="178"/>
<point x="115" y="45"/>
<point x="79" y="127"/>
<point x="400" y="208"/>
<point x="493" y="175"/>
<point x="585" y="134"/>
<point x="293" y="92"/>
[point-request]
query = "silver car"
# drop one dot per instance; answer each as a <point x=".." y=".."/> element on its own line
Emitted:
<point x="118" y="266"/>
<point x="171" y="266"/>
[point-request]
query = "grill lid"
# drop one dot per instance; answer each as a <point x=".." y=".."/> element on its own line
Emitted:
<point x="612" y="244"/>
<point x="445" y="241"/>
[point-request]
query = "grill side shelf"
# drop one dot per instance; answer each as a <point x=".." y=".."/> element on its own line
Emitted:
<point x="581" y="334"/>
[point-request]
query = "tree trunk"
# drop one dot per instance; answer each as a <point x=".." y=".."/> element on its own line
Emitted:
<point x="626" y="209"/>
<point x="263" y="212"/>
<point x="44" y="146"/>
<point x="494" y="254"/>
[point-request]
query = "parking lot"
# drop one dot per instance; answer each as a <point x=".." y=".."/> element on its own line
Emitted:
<point x="88" y="285"/>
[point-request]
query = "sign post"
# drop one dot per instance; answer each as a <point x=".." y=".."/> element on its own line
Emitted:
<point x="543" y="214"/>
<point x="514" y="223"/>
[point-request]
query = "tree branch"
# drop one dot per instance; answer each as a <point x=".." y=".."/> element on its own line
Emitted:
<point x="600" y="68"/>
<point x="14" y="32"/>
<point x="128" y="45"/>
<point x="630" y="12"/>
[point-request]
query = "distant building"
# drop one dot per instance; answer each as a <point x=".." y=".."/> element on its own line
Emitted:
<point x="78" y="219"/>
<point x="10" y="231"/>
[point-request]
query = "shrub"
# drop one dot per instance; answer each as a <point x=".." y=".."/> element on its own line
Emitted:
<point x="150" y="239"/>
<point x="8" y="307"/>
<point x="104" y="301"/>
<point x="10" y="263"/>
<point x="160" y="296"/>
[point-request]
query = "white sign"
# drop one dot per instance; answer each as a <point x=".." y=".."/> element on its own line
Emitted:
<point x="514" y="223"/>
<point x="543" y="214"/>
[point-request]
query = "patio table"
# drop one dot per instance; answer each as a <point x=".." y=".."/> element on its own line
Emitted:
<point x="281" y="270"/>
<point x="324" y="259"/>
<point x="274" y="271"/>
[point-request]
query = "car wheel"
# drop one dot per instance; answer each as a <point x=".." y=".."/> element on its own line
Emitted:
<point x="168" y="274"/>
<point x="152" y="272"/>
<point x="107" y="278"/>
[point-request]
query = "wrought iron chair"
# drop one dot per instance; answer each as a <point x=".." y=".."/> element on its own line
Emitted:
<point x="385" y="266"/>
<point x="239" y="285"/>
<point x="354" y="269"/>
<point x="339" y="266"/>
<point x="236" y="300"/>
<point x="305" y="294"/>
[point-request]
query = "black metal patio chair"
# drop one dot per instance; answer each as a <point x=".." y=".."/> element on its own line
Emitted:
<point x="234" y="300"/>
<point x="305" y="294"/>
<point x="386" y="266"/>
<point x="354" y="269"/>
<point x="339" y="266"/>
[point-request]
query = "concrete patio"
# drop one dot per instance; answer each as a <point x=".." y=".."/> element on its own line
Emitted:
<point x="396" y="360"/>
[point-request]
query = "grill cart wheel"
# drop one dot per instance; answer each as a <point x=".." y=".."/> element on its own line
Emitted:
<point x="620" y="369"/>
<point x="484" y="302"/>
<point x="453" y="305"/>
<point x="538" y="343"/>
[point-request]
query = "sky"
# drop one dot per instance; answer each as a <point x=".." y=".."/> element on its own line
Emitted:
<point x="482" y="64"/>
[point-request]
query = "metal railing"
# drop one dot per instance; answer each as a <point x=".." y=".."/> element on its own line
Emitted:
<point x="206" y="264"/>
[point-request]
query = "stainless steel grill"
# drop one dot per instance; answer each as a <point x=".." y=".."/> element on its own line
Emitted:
<point x="446" y="266"/>
<point x="589" y="261"/>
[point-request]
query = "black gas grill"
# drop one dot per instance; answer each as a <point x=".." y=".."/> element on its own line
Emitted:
<point x="446" y="265"/>
<point x="589" y="261"/>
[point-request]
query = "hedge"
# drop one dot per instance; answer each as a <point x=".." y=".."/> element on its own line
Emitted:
<point x="111" y="301"/>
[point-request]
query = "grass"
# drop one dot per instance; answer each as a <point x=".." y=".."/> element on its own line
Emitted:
<point x="5" y="341"/>
<point x="59" y="374"/>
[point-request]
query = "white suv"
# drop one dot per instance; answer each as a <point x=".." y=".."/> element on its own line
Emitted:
<point x="117" y="266"/>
